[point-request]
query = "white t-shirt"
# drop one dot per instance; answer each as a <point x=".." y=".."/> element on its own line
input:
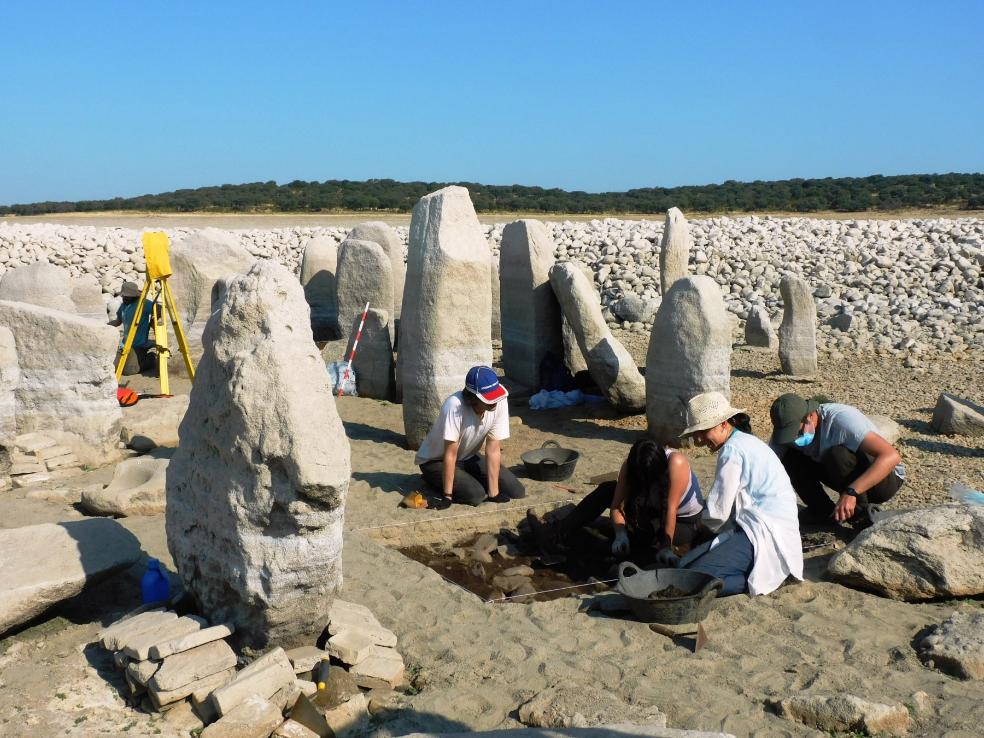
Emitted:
<point x="458" y="422"/>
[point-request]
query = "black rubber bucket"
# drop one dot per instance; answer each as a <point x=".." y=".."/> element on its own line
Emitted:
<point x="641" y="590"/>
<point x="550" y="462"/>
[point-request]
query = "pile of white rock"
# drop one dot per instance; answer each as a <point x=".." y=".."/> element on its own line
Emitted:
<point x="896" y="287"/>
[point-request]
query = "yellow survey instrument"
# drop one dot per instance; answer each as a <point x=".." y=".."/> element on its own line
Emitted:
<point x="158" y="262"/>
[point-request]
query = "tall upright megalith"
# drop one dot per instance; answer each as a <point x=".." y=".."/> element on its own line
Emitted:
<point x="365" y="274"/>
<point x="531" y="320"/>
<point x="9" y="379"/>
<point x="798" y="330"/>
<point x="674" y="249"/>
<point x="610" y="365"/>
<point x="758" y="329"/>
<point x="496" y="299"/>
<point x="39" y="283"/>
<point x="446" y="325"/>
<point x="373" y="362"/>
<point x="256" y="488"/>
<point x="318" y="268"/>
<point x="689" y="353"/>
<point x="389" y="240"/>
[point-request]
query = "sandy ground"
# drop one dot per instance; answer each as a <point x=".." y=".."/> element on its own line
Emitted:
<point x="126" y="219"/>
<point x="475" y="663"/>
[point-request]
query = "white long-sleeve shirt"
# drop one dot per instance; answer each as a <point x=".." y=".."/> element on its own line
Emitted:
<point x="751" y="489"/>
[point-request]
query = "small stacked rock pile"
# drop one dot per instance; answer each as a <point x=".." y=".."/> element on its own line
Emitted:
<point x="37" y="458"/>
<point x="173" y="662"/>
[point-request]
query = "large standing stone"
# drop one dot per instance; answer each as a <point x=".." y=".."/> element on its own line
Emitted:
<point x="758" y="329"/>
<point x="67" y="384"/>
<point x="447" y="318"/>
<point x="573" y="357"/>
<point x="384" y="234"/>
<point x="919" y="554"/>
<point x="531" y="322"/>
<point x="954" y="414"/>
<point x="41" y="565"/>
<point x="9" y="379"/>
<point x="798" y="332"/>
<point x="87" y="298"/>
<point x="256" y="488"/>
<point x="610" y="365"/>
<point x="674" y="249"/>
<point x="689" y="353"/>
<point x="365" y="274"/>
<point x="199" y="259"/>
<point x="318" y="268"/>
<point x="40" y="284"/>
<point x="496" y="301"/>
<point x="373" y="362"/>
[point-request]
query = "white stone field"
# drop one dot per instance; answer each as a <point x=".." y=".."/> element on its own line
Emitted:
<point x="895" y="287"/>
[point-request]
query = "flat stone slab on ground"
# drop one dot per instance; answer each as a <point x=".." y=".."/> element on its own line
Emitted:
<point x="264" y="677"/>
<point x="293" y="729"/>
<point x="569" y="705"/>
<point x="845" y="712"/>
<point x="192" y="640"/>
<point x="350" y="646"/>
<point x="143" y="618"/>
<point x="622" y="730"/>
<point x="137" y="488"/>
<point x="200" y="689"/>
<point x="138" y="646"/>
<point x="42" y="565"/>
<point x="956" y="646"/>
<point x="305" y="658"/>
<point x="254" y="717"/>
<point x="153" y="422"/>
<point x="378" y="671"/>
<point x="192" y="665"/>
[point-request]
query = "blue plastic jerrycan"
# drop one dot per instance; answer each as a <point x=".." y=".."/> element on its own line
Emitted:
<point x="154" y="586"/>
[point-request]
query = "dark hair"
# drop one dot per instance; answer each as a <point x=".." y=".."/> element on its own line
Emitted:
<point x="647" y="470"/>
<point x="742" y="422"/>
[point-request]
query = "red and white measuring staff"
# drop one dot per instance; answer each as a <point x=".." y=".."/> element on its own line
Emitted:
<point x="355" y="345"/>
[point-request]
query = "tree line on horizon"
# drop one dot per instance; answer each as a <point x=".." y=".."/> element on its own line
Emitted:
<point x="845" y="194"/>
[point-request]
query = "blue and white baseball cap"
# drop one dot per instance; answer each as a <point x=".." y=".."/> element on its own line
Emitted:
<point x="483" y="382"/>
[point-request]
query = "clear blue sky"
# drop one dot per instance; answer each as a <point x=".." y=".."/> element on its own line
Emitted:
<point x="123" y="98"/>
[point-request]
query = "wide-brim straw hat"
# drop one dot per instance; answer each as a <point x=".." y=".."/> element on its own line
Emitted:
<point x="707" y="410"/>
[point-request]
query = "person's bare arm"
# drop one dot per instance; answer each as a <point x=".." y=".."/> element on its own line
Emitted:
<point x="617" y="511"/>
<point x="679" y="479"/>
<point x="884" y="459"/>
<point x="449" y="462"/>
<point x="493" y="461"/>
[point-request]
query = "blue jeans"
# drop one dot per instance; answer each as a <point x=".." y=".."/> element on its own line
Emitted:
<point x="730" y="562"/>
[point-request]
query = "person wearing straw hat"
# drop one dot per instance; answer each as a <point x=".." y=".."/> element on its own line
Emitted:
<point x="142" y="343"/>
<point x="751" y="505"/>
<point x="449" y="457"/>
<point x="836" y="445"/>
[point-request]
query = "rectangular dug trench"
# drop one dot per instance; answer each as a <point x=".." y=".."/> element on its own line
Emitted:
<point x="495" y="557"/>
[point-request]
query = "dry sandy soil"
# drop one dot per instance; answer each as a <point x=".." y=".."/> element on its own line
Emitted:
<point x="474" y="663"/>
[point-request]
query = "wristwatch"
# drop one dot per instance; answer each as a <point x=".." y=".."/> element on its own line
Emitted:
<point x="852" y="492"/>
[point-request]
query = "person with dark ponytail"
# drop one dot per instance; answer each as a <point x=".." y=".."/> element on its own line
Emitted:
<point x="655" y="504"/>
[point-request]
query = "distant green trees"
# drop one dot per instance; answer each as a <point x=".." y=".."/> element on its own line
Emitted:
<point x="846" y="194"/>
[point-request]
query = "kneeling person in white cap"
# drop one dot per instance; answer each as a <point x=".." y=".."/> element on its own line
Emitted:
<point x="449" y="457"/>
<point x="751" y="506"/>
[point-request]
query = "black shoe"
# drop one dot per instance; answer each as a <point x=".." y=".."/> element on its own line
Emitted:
<point x="499" y="498"/>
<point x="438" y="503"/>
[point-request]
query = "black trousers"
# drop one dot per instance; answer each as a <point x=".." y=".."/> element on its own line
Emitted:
<point x="643" y="534"/>
<point x="471" y="480"/>
<point x="838" y="469"/>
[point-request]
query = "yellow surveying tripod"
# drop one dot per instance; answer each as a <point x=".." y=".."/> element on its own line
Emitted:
<point x="158" y="270"/>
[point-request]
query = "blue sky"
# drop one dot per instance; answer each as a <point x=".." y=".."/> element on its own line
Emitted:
<point x="121" y="98"/>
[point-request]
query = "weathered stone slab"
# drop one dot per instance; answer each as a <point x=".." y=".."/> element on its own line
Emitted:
<point x="919" y="554"/>
<point x="956" y="646"/>
<point x="264" y="677"/>
<point x="798" y="331"/>
<point x="845" y="712"/>
<point x="387" y="237"/>
<point x="373" y="362"/>
<point x="674" y="249"/>
<point x="138" y="646"/>
<point x="254" y="717"/>
<point x="379" y="669"/>
<point x="610" y="365"/>
<point x="305" y="658"/>
<point x="293" y="729"/>
<point x="573" y="358"/>
<point x="256" y="488"/>
<point x="954" y="414"/>
<point x="349" y="646"/>
<point x="758" y="329"/>
<point x="191" y="640"/>
<point x="41" y="565"/>
<point x="142" y="671"/>
<point x="689" y="353"/>
<point x="318" y="267"/>
<point x="87" y="297"/>
<point x="567" y="705"/>
<point x="137" y="488"/>
<point x="190" y="666"/>
<point x="9" y="379"/>
<point x="531" y="318"/>
<point x="622" y="730"/>
<point x="350" y="718"/>
<point x="67" y="383"/>
<point x="496" y="300"/>
<point x="446" y="321"/>
<point x="153" y="422"/>
<point x="365" y="274"/>
<point x="114" y="634"/>
<point x="41" y="284"/>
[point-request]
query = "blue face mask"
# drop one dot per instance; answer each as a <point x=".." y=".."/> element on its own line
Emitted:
<point x="805" y="440"/>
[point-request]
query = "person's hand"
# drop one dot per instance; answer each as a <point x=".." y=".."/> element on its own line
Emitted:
<point x="620" y="546"/>
<point x="666" y="559"/>
<point x="845" y="508"/>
